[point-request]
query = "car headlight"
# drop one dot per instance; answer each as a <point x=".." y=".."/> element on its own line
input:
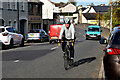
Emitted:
<point x="88" y="34"/>
<point x="98" y="34"/>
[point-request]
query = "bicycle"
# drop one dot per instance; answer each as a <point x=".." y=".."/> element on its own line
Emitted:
<point x="67" y="61"/>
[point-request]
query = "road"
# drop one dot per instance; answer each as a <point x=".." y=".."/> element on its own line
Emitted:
<point x="44" y="60"/>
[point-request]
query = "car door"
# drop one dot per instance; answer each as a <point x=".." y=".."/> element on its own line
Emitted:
<point x="42" y="34"/>
<point x="13" y="35"/>
<point x="18" y="36"/>
<point x="46" y="36"/>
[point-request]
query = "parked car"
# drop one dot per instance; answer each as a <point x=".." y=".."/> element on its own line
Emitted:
<point x="111" y="58"/>
<point x="93" y="31"/>
<point x="9" y="36"/>
<point x="37" y="35"/>
<point x="54" y="32"/>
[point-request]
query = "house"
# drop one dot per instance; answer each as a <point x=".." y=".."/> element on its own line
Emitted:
<point x="89" y="18"/>
<point x="65" y="10"/>
<point x="35" y="15"/>
<point x="48" y="17"/>
<point x="15" y="14"/>
<point x="80" y="11"/>
<point x="92" y="12"/>
<point x="76" y="17"/>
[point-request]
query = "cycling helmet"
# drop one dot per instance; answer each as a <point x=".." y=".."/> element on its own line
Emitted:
<point x="67" y="21"/>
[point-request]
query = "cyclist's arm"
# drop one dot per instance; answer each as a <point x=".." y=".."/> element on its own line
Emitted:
<point x="73" y="31"/>
<point x="61" y="32"/>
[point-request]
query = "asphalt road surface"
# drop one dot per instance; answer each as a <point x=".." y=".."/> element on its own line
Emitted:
<point x="44" y="60"/>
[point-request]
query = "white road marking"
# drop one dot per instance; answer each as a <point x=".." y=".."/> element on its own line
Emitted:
<point x="16" y="61"/>
<point x="54" y="48"/>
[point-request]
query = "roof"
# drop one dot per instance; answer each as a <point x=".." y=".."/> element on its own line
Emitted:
<point x="61" y="4"/>
<point x="83" y="8"/>
<point x="95" y="26"/>
<point x="101" y="8"/>
<point x="51" y="2"/>
<point x="90" y="16"/>
<point x="77" y="11"/>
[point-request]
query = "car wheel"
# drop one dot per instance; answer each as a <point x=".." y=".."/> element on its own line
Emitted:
<point x="3" y="46"/>
<point x="86" y="38"/>
<point x="28" y="41"/>
<point x="50" y="42"/>
<point x="99" y="38"/>
<point x="11" y="43"/>
<point x="22" y="42"/>
<point x="42" y="40"/>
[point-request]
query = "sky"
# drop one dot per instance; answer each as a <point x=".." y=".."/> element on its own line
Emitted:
<point x="85" y="2"/>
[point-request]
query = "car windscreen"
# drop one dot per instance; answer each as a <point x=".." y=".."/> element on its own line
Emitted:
<point x="34" y="31"/>
<point x="93" y="29"/>
<point x="2" y="30"/>
<point x="10" y="29"/>
<point x="116" y="39"/>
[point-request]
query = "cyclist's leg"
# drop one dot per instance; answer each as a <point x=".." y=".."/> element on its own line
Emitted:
<point x="63" y="45"/>
<point x="72" y="51"/>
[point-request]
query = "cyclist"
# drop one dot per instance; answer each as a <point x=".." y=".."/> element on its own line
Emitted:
<point x="68" y="33"/>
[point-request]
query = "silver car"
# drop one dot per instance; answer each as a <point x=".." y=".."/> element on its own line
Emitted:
<point x="37" y="35"/>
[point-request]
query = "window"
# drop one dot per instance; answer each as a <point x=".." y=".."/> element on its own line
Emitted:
<point x="116" y="40"/>
<point x="34" y="31"/>
<point x="9" y="5"/>
<point x="22" y="5"/>
<point x="15" y="5"/>
<point x="15" y="24"/>
<point x="10" y="24"/>
<point x="37" y="9"/>
<point x="93" y="29"/>
<point x="1" y="4"/>
<point x="30" y="8"/>
<point x="2" y="29"/>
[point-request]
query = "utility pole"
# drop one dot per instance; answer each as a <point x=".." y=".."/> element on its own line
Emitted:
<point x="99" y="18"/>
<point x="111" y="4"/>
<point x="18" y="14"/>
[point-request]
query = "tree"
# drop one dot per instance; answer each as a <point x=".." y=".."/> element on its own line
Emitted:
<point x="116" y="14"/>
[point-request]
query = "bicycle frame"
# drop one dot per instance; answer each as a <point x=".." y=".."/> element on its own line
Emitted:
<point x="67" y="61"/>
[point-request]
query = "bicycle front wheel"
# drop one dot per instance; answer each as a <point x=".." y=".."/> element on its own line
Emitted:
<point x="66" y="63"/>
<point x="66" y="60"/>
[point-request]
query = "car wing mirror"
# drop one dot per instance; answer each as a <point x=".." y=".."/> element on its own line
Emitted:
<point x="85" y="30"/>
<point x="103" y="41"/>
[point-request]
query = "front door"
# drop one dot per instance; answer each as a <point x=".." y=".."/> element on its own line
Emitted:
<point x="22" y="25"/>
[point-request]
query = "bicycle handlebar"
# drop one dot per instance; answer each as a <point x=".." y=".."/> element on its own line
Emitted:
<point x="66" y="41"/>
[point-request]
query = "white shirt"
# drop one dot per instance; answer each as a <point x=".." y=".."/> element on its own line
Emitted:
<point x="69" y="33"/>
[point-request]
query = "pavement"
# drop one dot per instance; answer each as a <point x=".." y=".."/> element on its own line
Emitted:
<point x="105" y="34"/>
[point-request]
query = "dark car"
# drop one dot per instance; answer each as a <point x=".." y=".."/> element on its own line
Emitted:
<point x="37" y="35"/>
<point x="111" y="59"/>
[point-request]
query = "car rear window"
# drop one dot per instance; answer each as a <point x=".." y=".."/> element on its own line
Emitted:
<point x="116" y="39"/>
<point x="34" y="31"/>
<point x="2" y="30"/>
<point x="93" y="29"/>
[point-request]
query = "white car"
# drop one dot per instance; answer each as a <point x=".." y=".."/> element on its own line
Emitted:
<point x="9" y="36"/>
